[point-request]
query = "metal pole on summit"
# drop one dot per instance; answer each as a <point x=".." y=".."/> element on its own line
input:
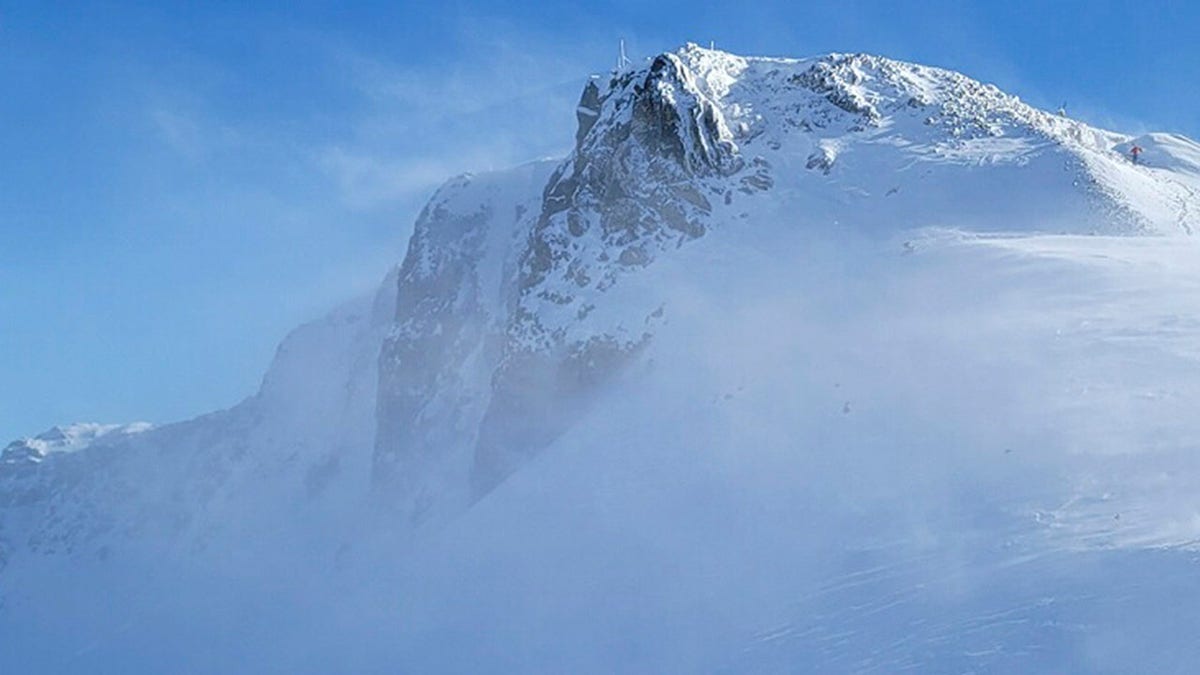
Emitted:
<point x="622" y="60"/>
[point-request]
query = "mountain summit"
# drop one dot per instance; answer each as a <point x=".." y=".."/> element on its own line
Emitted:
<point x="527" y="297"/>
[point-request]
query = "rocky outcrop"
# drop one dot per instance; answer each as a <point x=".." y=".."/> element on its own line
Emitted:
<point x="471" y="388"/>
<point x="652" y="154"/>
<point x="452" y="308"/>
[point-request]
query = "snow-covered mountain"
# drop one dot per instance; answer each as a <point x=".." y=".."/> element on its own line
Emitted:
<point x="510" y="285"/>
<point x="779" y="338"/>
<point x="70" y="438"/>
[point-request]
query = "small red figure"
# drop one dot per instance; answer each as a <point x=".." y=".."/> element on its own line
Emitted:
<point x="1135" y="152"/>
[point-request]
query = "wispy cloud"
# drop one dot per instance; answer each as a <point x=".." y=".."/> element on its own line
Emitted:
<point x="509" y="100"/>
<point x="188" y="134"/>
<point x="366" y="180"/>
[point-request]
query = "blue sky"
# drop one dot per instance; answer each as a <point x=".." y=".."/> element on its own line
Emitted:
<point x="181" y="184"/>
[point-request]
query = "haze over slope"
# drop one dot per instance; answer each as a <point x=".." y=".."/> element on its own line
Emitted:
<point x="838" y="363"/>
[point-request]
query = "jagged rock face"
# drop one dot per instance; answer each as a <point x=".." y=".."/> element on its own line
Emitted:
<point x="436" y="365"/>
<point x="440" y="324"/>
<point x="636" y="181"/>
<point x="471" y="388"/>
<point x="652" y="152"/>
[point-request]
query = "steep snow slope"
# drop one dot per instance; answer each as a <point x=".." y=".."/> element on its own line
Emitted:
<point x="780" y="345"/>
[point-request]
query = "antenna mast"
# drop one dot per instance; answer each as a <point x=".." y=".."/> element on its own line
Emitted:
<point x="622" y="60"/>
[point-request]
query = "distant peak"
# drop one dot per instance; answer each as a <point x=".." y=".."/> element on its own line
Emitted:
<point x="64" y="438"/>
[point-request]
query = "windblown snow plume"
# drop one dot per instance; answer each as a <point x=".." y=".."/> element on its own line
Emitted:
<point x="838" y="364"/>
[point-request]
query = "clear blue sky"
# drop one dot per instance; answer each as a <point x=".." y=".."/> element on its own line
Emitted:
<point x="180" y="184"/>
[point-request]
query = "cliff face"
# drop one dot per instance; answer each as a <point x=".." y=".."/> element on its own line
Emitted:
<point x="449" y="333"/>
